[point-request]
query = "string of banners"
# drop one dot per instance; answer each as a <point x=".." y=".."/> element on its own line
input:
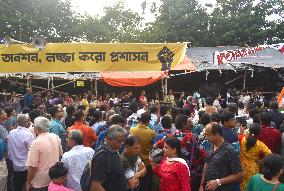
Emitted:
<point x="92" y="57"/>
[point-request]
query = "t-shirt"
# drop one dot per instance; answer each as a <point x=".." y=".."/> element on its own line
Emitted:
<point x="108" y="169"/>
<point x="57" y="187"/>
<point x="257" y="183"/>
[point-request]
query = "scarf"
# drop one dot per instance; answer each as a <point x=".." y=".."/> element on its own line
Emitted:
<point x="179" y="160"/>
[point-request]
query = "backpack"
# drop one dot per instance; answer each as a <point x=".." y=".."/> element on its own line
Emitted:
<point x="195" y="157"/>
<point x="86" y="177"/>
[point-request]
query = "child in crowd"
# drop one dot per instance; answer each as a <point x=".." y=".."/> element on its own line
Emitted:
<point x="58" y="174"/>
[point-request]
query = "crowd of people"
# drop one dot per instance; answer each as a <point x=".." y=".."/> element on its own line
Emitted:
<point x="56" y="142"/>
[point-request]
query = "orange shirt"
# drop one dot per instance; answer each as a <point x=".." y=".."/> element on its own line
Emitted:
<point x="89" y="135"/>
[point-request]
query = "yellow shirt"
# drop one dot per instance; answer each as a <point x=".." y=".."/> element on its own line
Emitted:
<point x="250" y="159"/>
<point x="146" y="136"/>
<point x="86" y="103"/>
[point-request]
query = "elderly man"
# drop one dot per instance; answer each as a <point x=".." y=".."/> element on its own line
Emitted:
<point x="107" y="168"/>
<point x="19" y="141"/>
<point x="76" y="159"/>
<point x="43" y="154"/>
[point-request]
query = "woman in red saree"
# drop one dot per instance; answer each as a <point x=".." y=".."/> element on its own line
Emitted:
<point x="173" y="171"/>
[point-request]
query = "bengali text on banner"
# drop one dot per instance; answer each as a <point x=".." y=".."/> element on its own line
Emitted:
<point x="91" y="57"/>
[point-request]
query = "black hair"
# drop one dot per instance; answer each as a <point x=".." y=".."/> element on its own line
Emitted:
<point x="26" y="110"/>
<point x="153" y="108"/>
<point x="209" y="101"/>
<point x="163" y="109"/>
<point x="57" y="171"/>
<point x="117" y="119"/>
<point x="255" y="119"/>
<point x="205" y="119"/>
<point x="34" y="114"/>
<point x="82" y="107"/>
<point x="271" y="165"/>
<point x="265" y="118"/>
<point x="125" y="112"/>
<point x="53" y="111"/>
<point x="91" y="111"/>
<point x="145" y="117"/>
<point x="97" y="115"/>
<point x="166" y="122"/>
<point x="226" y="116"/>
<point x="232" y="108"/>
<point x="200" y="113"/>
<point x="253" y="112"/>
<point x="281" y="128"/>
<point x="78" y="115"/>
<point x="216" y="117"/>
<point x="8" y="111"/>
<point x="175" y="111"/>
<point x="133" y="107"/>
<point x="241" y="105"/>
<point x="216" y="129"/>
<point x="254" y="132"/>
<point x="180" y="120"/>
<point x="131" y="140"/>
<point x="186" y="112"/>
<point x="273" y="105"/>
<point x="70" y="109"/>
<point x="257" y="103"/>
<point x="174" y="143"/>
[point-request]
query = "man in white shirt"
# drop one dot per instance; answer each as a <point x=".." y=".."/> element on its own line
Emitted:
<point x="76" y="159"/>
<point x="19" y="141"/>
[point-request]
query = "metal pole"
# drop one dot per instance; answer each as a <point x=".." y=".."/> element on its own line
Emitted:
<point x="96" y="87"/>
<point x="245" y="78"/>
<point x="20" y="32"/>
<point x="166" y="85"/>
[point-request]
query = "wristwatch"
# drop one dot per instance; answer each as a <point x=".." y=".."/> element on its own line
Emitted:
<point x="218" y="182"/>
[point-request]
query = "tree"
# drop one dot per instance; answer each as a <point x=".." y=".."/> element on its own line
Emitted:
<point x="242" y="22"/>
<point x="179" y="21"/>
<point x="54" y="19"/>
<point x="117" y="25"/>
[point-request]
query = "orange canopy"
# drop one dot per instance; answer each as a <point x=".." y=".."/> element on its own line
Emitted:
<point x="142" y="78"/>
<point x="131" y="78"/>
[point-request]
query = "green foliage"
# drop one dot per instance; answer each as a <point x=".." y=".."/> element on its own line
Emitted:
<point x="117" y="25"/>
<point x="232" y="22"/>
<point x="241" y="22"/>
<point x="53" y="19"/>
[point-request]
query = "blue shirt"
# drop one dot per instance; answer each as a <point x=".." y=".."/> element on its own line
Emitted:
<point x="3" y="133"/>
<point x="231" y="136"/>
<point x="28" y="100"/>
<point x="102" y="128"/>
<point x="58" y="129"/>
<point x="3" y="149"/>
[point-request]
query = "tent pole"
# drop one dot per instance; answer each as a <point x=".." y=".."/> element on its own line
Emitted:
<point x="96" y="87"/>
<point x="163" y="88"/>
<point x="166" y="86"/>
<point x="245" y="78"/>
